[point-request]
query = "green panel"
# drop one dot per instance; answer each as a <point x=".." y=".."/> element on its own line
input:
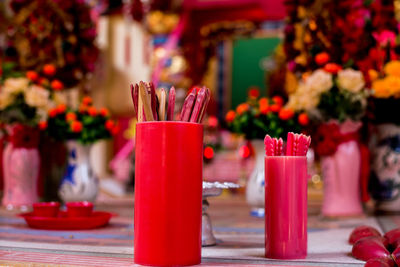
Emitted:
<point x="246" y="65"/>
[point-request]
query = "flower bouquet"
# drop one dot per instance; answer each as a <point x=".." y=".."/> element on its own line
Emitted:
<point x="260" y="116"/>
<point x="80" y="128"/>
<point x="24" y="103"/>
<point x="336" y="100"/>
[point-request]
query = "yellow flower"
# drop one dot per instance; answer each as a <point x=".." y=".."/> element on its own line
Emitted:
<point x="381" y="90"/>
<point x="350" y="80"/>
<point x="393" y="68"/>
<point x="393" y="84"/>
<point x="290" y="82"/>
<point x="15" y="85"/>
<point x="37" y="96"/>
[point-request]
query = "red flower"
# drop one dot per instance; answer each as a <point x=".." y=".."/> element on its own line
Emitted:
<point x="208" y="152"/>
<point x="92" y="111"/>
<point x="275" y="108"/>
<point x="57" y="85"/>
<point x="303" y="119"/>
<point x="61" y="108"/>
<point x="104" y="112"/>
<point x="24" y="136"/>
<point x="32" y="75"/>
<point x="254" y="92"/>
<point x="87" y="100"/>
<point x="49" y="69"/>
<point x="286" y="114"/>
<point x="230" y="116"/>
<point x="278" y="100"/>
<point x="327" y="139"/>
<point x="42" y="125"/>
<point x="53" y="112"/>
<point x="332" y="68"/>
<point x="70" y="116"/>
<point x="76" y="126"/>
<point x="109" y="125"/>
<point x="322" y="58"/>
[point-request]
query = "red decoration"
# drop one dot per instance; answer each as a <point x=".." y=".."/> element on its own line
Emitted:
<point x="24" y="136"/>
<point x="208" y="152"/>
<point x="49" y="69"/>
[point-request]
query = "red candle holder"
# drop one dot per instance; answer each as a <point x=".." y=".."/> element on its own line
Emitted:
<point x="286" y="207"/>
<point x="79" y="209"/>
<point x="168" y="193"/>
<point x="46" y="209"/>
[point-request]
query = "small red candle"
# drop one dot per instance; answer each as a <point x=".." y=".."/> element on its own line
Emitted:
<point x="79" y="209"/>
<point x="46" y="209"/>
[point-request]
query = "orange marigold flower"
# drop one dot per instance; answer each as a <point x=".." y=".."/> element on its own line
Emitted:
<point x="61" y="108"/>
<point x="42" y="125"/>
<point x="230" y="116"/>
<point x="83" y="108"/>
<point x="286" y="114"/>
<point x="87" y="100"/>
<point x="57" y="85"/>
<point x="303" y="119"/>
<point x="104" y="112"/>
<point x="76" y="126"/>
<point x="53" y="112"/>
<point x="49" y="69"/>
<point x="92" y="111"/>
<point x="242" y="108"/>
<point x="70" y="116"/>
<point x="264" y="108"/>
<point x="32" y="75"/>
<point x="263" y="101"/>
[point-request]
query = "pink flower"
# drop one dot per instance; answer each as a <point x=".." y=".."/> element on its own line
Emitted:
<point x="385" y="37"/>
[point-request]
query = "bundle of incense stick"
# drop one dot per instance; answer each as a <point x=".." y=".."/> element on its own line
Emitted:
<point x="296" y="145"/>
<point x="159" y="106"/>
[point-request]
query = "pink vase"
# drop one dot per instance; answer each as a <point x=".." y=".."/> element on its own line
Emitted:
<point x="21" y="165"/>
<point x="341" y="174"/>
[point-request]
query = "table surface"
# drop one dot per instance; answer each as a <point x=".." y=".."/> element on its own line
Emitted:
<point x="240" y="238"/>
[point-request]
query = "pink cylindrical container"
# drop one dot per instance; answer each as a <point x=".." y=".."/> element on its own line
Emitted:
<point x="285" y="207"/>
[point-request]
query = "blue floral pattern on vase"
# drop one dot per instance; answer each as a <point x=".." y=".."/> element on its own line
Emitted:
<point x="79" y="183"/>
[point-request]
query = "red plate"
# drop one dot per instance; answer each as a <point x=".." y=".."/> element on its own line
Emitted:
<point x="62" y="222"/>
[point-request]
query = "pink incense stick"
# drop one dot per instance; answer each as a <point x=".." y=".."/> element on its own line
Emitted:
<point x="289" y="144"/>
<point x="279" y="147"/>
<point x="269" y="145"/>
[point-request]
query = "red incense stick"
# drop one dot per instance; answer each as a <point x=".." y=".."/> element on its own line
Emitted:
<point x="188" y="106"/>
<point x="171" y="104"/>
<point x="200" y="99"/>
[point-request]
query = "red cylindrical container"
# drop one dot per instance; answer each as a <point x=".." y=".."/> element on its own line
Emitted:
<point x="286" y="207"/>
<point x="168" y="193"/>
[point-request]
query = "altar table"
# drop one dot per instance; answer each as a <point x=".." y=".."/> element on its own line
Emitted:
<point x="240" y="238"/>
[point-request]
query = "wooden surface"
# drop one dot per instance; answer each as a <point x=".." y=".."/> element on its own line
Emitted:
<point x="240" y="238"/>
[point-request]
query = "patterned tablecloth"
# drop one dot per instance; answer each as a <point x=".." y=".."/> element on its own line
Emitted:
<point x="240" y="239"/>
